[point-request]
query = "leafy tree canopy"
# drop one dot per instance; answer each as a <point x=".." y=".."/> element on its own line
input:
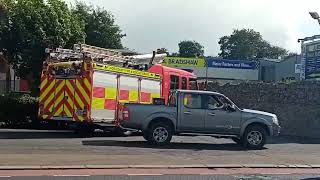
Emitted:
<point x="190" y="49"/>
<point x="248" y="44"/>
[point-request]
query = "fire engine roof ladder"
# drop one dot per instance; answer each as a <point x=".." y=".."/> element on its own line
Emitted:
<point x="102" y="55"/>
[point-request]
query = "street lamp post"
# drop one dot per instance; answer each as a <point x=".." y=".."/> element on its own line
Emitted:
<point x="315" y="15"/>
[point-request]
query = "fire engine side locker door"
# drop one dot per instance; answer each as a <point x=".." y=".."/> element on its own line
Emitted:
<point x="128" y="89"/>
<point x="104" y="96"/>
<point x="150" y="88"/>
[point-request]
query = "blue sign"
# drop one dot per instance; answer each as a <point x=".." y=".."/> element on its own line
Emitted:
<point x="311" y="60"/>
<point x="236" y="64"/>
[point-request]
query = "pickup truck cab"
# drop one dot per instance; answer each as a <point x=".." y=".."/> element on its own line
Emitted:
<point x="192" y="112"/>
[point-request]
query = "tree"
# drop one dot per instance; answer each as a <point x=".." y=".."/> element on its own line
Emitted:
<point x="28" y="27"/>
<point x="190" y="49"/>
<point x="100" y="26"/>
<point x="248" y="44"/>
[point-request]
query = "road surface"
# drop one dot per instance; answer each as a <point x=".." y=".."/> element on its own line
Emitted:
<point x="19" y="147"/>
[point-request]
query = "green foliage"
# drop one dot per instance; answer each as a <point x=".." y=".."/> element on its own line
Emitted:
<point x="190" y="49"/>
<point x="248" y="44"/>
<point x="28" y="27"/>
<point x="100" y="26"/>
<point x="18" y="110"/>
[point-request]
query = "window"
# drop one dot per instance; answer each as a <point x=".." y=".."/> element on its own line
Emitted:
<point x="184" y="83"/>
<point x="193" y="84"/>
<point x="214" y="102"/>
<point x="192" y="101"/>
<point x="174" y="82"/>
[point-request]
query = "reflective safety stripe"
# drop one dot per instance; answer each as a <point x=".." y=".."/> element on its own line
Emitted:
<point x="110" y="93"/>
<point x="98" y="103"/>
<point x="46" y="98"/>
<point x="133" y="96"/>
<point x="145" y="97"/>
<point x="82" y="98"/>
<point x="125" y="71"/>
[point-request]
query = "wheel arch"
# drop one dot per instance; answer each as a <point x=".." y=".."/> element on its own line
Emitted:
<point x="256" y="123"/>
<point x="161" y="119"/>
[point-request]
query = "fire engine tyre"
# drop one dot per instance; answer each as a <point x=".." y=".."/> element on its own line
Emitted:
<point x="254" y="137"/>
<point x="84" y="131"/>
<point x="159" y="133"/>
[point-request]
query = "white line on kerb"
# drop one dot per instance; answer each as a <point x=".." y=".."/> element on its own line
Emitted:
<point x="5" y="176"/>
<point x="71" y="175"/>
<point x="145" y="174"/>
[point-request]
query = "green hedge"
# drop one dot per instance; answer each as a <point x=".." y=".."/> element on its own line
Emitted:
<point x="18" y="110"/>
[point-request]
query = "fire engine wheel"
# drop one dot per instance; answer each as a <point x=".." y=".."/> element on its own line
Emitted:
<point x="159" y="133"/>
<point x="84" y="131"/>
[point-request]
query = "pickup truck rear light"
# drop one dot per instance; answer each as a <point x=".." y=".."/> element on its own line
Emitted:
<point x="125" y="113"/>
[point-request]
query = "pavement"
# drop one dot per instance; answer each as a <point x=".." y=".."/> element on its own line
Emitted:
<point x="24" y="151"/>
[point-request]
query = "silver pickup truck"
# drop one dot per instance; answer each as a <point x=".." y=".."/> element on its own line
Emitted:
<point x="199" y="113"/>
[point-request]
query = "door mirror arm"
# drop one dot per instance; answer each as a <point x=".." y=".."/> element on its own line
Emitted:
<point x="229" y="107"/>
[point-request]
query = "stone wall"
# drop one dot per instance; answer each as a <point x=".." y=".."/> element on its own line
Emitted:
<point x="297" y="105"/>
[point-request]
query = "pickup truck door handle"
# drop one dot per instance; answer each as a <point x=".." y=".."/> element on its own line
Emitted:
<point x="212" y="114"/>
<point x="187" y="112"/>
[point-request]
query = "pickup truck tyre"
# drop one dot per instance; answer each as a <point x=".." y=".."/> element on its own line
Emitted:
<point x="159" y="133"/>
<point x="254" y="137"/>
<point x="145" y="135"/>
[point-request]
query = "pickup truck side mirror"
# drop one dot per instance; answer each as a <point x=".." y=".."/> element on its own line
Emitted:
<point x="229" y="107"/>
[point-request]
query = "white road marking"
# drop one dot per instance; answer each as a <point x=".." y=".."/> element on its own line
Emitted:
<point x="145" y="174"/>
<point x="5" y="176"/>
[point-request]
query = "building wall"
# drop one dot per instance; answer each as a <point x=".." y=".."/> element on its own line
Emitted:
<point x="227" y="73"/>
<point x="296" y="104"/>
<point x="286" y="69"/>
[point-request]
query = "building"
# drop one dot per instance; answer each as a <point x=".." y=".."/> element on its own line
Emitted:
<point x="216" y="69"/>
<point x="8" y="79"/>
<point x="276" y="70"/>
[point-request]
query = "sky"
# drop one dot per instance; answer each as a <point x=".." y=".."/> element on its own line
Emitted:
<point x="152" y="24"/>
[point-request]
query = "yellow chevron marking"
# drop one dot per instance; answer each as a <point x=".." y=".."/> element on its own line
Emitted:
<point x="43" y="83"/>
<point x="78" y="99"/>
<point x="59" y="111"/>
<point x="46" y="91"/>
<point x="87" y="83"/>
<point x="83" y="93"/>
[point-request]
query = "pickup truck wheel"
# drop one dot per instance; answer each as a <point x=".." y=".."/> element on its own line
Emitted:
<point x="159" y="134"/>
<point x="254" y="137"/>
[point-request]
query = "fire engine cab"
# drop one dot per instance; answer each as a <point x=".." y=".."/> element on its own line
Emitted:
<point x="83" y="86"/>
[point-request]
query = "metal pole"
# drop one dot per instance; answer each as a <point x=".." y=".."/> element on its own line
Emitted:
<point x="206" y="64"/>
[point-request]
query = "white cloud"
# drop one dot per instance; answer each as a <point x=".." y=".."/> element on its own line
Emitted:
<point x="150" y="24"/>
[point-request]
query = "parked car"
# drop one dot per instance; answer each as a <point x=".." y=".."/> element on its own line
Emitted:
<point x="199" y="113"/>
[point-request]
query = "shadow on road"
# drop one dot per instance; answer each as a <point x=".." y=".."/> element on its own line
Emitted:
<point x="293" y="140"/>
<point x="47" y="134"/>
<point x="173" y="145"/>
<point x="36" y="135"/>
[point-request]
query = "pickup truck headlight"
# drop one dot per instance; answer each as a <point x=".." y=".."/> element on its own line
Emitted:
<point x="275" y="120"/>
